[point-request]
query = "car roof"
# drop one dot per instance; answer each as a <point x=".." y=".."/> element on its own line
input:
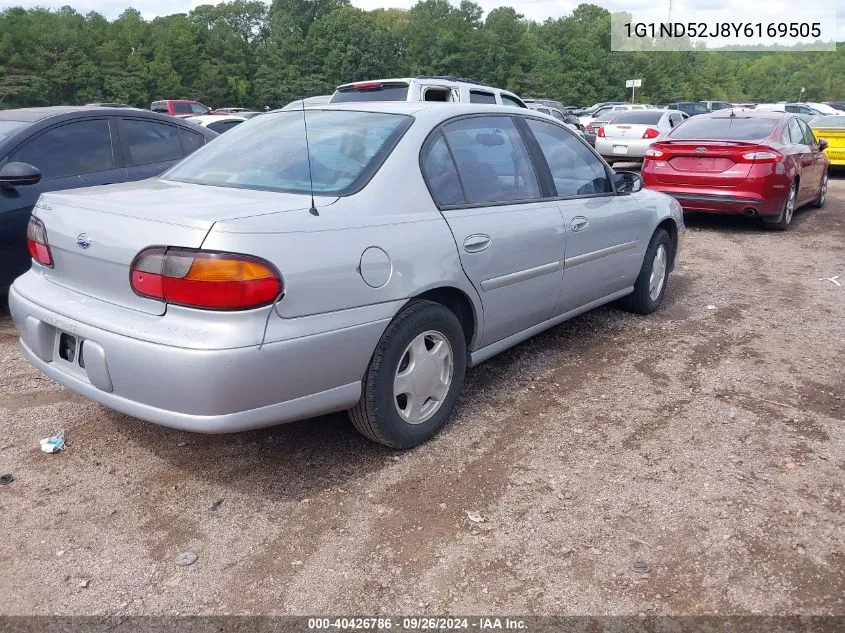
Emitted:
<point x="32" y="115"/>
<point x="422" y="109"/>
<point x="741" y="113"/>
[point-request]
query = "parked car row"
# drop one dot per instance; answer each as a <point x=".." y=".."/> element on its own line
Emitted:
<point x="268" y="276"/>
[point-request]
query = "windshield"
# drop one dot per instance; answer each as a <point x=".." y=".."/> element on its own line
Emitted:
<point x="372" y="92"/>
<point x="725" y="128"/>
<point x="269" y="152"/>
<point x="640" y="117"/>
<point x="7" y="128"/>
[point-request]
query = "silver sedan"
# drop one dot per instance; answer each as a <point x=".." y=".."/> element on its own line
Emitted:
<point x="630" y="134"/>
<point x="362" y="261"/>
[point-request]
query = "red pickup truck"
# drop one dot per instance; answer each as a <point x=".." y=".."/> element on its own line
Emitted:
<point x="179" y="107"/>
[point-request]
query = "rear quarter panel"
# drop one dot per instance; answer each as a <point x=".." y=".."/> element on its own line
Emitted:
<point x="408" y="243"/>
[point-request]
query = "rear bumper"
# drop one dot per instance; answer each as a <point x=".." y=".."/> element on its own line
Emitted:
<point x="636" y="148"/>
<point x="710" y="202"/>
<point x="202" y="390"/>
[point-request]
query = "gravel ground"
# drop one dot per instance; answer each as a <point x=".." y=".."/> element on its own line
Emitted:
<point x="705" y="443"/>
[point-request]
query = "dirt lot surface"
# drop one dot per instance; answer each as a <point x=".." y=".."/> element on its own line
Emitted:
<point x="705" y="442"/>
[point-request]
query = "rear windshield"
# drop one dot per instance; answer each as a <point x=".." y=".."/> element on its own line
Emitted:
<point x="725" y="128"/>
<point x="383" y="92"/>
<point x="269" y="152"/>
<point x="7" y="128"/>
<point x="635" y="116"/>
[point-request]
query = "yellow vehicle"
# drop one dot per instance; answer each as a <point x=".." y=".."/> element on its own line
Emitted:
<point x="832" y="129"/>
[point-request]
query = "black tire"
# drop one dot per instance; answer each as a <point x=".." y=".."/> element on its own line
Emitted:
<point x="640" y="300"/>
<point x="818" y="203"/>
<point x="376" y="415"/>
<point x="784" y="220"/>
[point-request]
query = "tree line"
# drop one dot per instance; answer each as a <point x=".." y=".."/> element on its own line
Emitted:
<point x="250" y="54"/>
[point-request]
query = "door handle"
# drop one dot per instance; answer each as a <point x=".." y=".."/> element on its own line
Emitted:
<point x="476" y="243"/>
<point x="579" y="224"/>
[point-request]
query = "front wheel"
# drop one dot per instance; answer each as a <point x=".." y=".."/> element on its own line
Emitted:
<point x="654" y="274"/>
<point x="414" y="377"/>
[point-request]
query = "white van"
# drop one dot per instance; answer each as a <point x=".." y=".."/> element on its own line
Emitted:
<point x="444" y="89"/>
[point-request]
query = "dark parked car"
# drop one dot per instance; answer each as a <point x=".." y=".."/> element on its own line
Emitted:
<point x="691" y="108"/>
<point x="66" y="147"/>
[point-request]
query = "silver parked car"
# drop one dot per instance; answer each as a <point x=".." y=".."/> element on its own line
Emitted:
<point x="631" y="133"/>
<point x="224" y="296"/>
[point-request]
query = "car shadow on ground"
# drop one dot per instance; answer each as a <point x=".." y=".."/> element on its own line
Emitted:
<point x="301" y="459"/>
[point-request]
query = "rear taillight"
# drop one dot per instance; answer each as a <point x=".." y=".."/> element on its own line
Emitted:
<point x="651" y="133"/>
<point x="367" y="85"/>
<point x="36" y="242"/>
<point x="600" y="132"/>
<point x="653" y="153"/>
<point x="766" y="156"/>
<point x="205" y="279"/>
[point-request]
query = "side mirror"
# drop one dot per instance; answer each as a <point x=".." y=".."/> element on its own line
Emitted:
<point x="18" y="174"/>
<point x="627" y="182"/>
<point x="822" y="144"/>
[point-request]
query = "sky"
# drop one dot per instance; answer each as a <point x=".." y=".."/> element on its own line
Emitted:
<point x="535" y="9"/>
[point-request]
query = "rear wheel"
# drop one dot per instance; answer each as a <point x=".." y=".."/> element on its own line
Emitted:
<point x="414" y="377"/>
<point x="654" y="274"/>
<point x="818" y="203"/>
<point x="782" y="222"/>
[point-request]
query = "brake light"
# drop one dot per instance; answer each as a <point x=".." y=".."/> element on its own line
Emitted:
<point x="653" y="153"/>
<point x="767" y="156"/>
<point x="205" y="279"/>
<point x="36" y="242"/>
<point x="367" y="85"/>
<point x="600" y="132"/>
<point x="651" y="133"/>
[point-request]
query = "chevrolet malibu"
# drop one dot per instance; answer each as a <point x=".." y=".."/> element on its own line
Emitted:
<point x="343" y="257"/>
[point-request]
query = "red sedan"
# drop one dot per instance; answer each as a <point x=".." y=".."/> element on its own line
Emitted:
<point x="764" y="164"/>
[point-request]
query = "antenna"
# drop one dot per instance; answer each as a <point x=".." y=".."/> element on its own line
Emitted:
<point x="313" y="209"/>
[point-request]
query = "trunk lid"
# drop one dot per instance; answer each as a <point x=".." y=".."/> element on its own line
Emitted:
<point x="702" y="163"/>
<point x="626" y="130"/>
<point x="94" y="234"/>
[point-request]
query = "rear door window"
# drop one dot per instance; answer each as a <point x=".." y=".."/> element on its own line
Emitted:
<point x="796" y="134"/>
<point x="184" y="108"/>
<point x="72" y="149"/>
<point x="191" y="141"/>
<point x="478" y="96"/>
<point x="809" y="137"/>
<point x="510" y="101"/>
<point x="492" y="160"/>
<point x="576" y="170"/>
<point x="441" y="174"/>
<point x="150" y="141"/>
